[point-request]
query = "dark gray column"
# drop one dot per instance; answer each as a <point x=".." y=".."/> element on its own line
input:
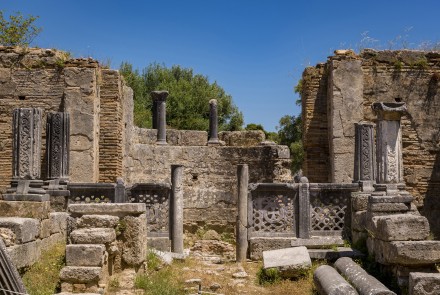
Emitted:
<point x="26" y="184"/>
<point x="120" y="191"/>
<point x="176" y="228"/>
<point x="154" y="113"/>
<point x="389" y="144"/>
<point x="57" y="145"/>
<point x="304" y="209"/>
<point x="213" y="122"/>
<point x="242" y="209"/>
<point x="160" y="97"/>
<point x="26" y="145"/>
<point x="364" y="158"/>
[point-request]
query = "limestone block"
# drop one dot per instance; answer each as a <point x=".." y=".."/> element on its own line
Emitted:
<point x="389" y="207"/>
<point x="405" y="252"/>
<point x="290" y="262"/>
<point x="93" y="236"/>
<point x="80" y="77"/>
<point x="359" y="202"/>
<point x="400" y="227"/>
<point x="242" y="138"/>
<point x="258" y="245"/>
<point x="25" y="229"/>
<point x="328" y="281"/>
<point x="38" y="210"/>
<point x="134" y="236"/>
<point x="85" y="255"/>
<point x="173" y="137"/>
<point x="80" y="274"/>
<point x="194" y="138"/>
<point x="358" y="220"/>
<point x="8" y="236"/>
<point x="45" y="228"/>
<point x="121" y="209"/>
<point x="90" y="221"/>
<point x="58" y="222"/>
<point x="424" y="283"/>
<point x="24" y="255"/>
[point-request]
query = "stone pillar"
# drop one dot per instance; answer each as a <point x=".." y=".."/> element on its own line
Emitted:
<point x="26" y="157"/>
<point x="120" y="191"/>
<point x="304" y="209"/>
<point x="176" y="227"/>
<point x="242" y="209"/>
<point x="364" y="158"/>
<point x="154" y="113"/>
<point x="57" y="145"/>
<point x="389" y="145"/>
<point x="159" y="98"/>
<point x="213" y="122"/>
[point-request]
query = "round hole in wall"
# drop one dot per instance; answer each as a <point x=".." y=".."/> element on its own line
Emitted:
<point x="21" y="97"/>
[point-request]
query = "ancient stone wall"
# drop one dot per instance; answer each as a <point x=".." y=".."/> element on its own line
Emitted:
<point x="210" y="180"/>
<point x="354" y="83"/>
<point x="95" y="98"/>
<point x="315" y="124"/>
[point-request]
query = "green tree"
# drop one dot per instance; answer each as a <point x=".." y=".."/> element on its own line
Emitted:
<point x="19" y="30"/>
<point x="290" y="134"/>
<point x="188" y="101"/>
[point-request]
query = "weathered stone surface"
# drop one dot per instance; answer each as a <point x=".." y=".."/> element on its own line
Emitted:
<point x="193" y="138"/>
<point x="329" y="282"/>
<point x="258" y="245"/>
<point x="80" y="274"/>
<point x="52" y="240"/>
<point x="424" y="283"/>
<point x="358" y="220"/>
<point x="389" y="207"/>
<point x="45" y="228"/>
<point x="405" y="252"/>
<point x="318" y="242"/>
<point x="332" y="255"/>
<point x="8" y="236"/>
<point x="160" y="243"/>
<point x="242" y="138"/>
<point x="359" y="201"/>
<point x="25" y="229"/>
<point x="90" y="221"/>
<point x="290" y="262"/>
<point x="38" y="210"/>
<point x="361" y="280"/>
<point x="58" y="222"/>
<point x="24" y="255"/>
<point x="85" y="255"/>
<point x="134" y="235"/>
<point x="93" y="236"/>
<point x="399" y="227"/>
<point x="108" y="209"/>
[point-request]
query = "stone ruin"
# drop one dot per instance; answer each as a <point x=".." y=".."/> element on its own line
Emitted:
<point x="110" y="189"/>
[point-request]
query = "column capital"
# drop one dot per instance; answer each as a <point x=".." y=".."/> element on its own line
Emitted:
<point x="159" y="95"/>
<point x="389" y="111"/>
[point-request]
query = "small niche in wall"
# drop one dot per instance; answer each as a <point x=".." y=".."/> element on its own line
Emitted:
<point x="398" y="99"/>
<point x="21" y="97"/>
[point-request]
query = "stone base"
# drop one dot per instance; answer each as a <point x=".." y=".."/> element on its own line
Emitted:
<point x="161" y="244"/>
<point x="39" y="210"/>
<point x="258" y="245"/>
<point x="318" y="242"/>
<point x="332" y="255"/>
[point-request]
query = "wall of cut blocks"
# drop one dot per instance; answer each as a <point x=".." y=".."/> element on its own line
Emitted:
<point x="354" y="82"/>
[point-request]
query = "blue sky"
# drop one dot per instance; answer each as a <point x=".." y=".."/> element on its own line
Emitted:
<point x="256" y="50"/>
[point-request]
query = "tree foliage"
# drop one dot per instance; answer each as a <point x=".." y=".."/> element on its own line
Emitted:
<point x="19" y="30"/>
<point x="290" y="134"/>
<point x="188" y="100"/>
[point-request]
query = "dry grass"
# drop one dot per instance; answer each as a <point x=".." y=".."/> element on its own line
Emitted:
<point x="43" y="277"/>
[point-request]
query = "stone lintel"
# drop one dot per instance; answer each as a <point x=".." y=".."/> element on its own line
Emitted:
<point x="120" y="209"/>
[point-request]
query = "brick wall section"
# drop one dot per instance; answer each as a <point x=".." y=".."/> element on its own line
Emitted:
<point x="315" y="124"/>
<point x="111" y="127"/>
<point x="414" y="78"/>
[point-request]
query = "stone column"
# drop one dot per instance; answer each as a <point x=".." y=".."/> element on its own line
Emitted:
<point x="242" y="209"/>
<point x="389" y="145"/>
<point x="154" y="113"/>
<point x="213" y="122"/>
<point x="57" y="146"/>
<point x="304" y="208"/>
<point x="364" y="158"/>
<point x="176" y="227"/>
<point x="26" y="157"/>
<point x="159" y="98"/>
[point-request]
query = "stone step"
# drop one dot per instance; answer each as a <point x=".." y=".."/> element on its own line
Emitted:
<point x="317" y="242"/>
<point x="333" y="254"/>
<point x="93" y="236"/>
<point x="85" y="255"/>
<point x="80" y="274"/>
